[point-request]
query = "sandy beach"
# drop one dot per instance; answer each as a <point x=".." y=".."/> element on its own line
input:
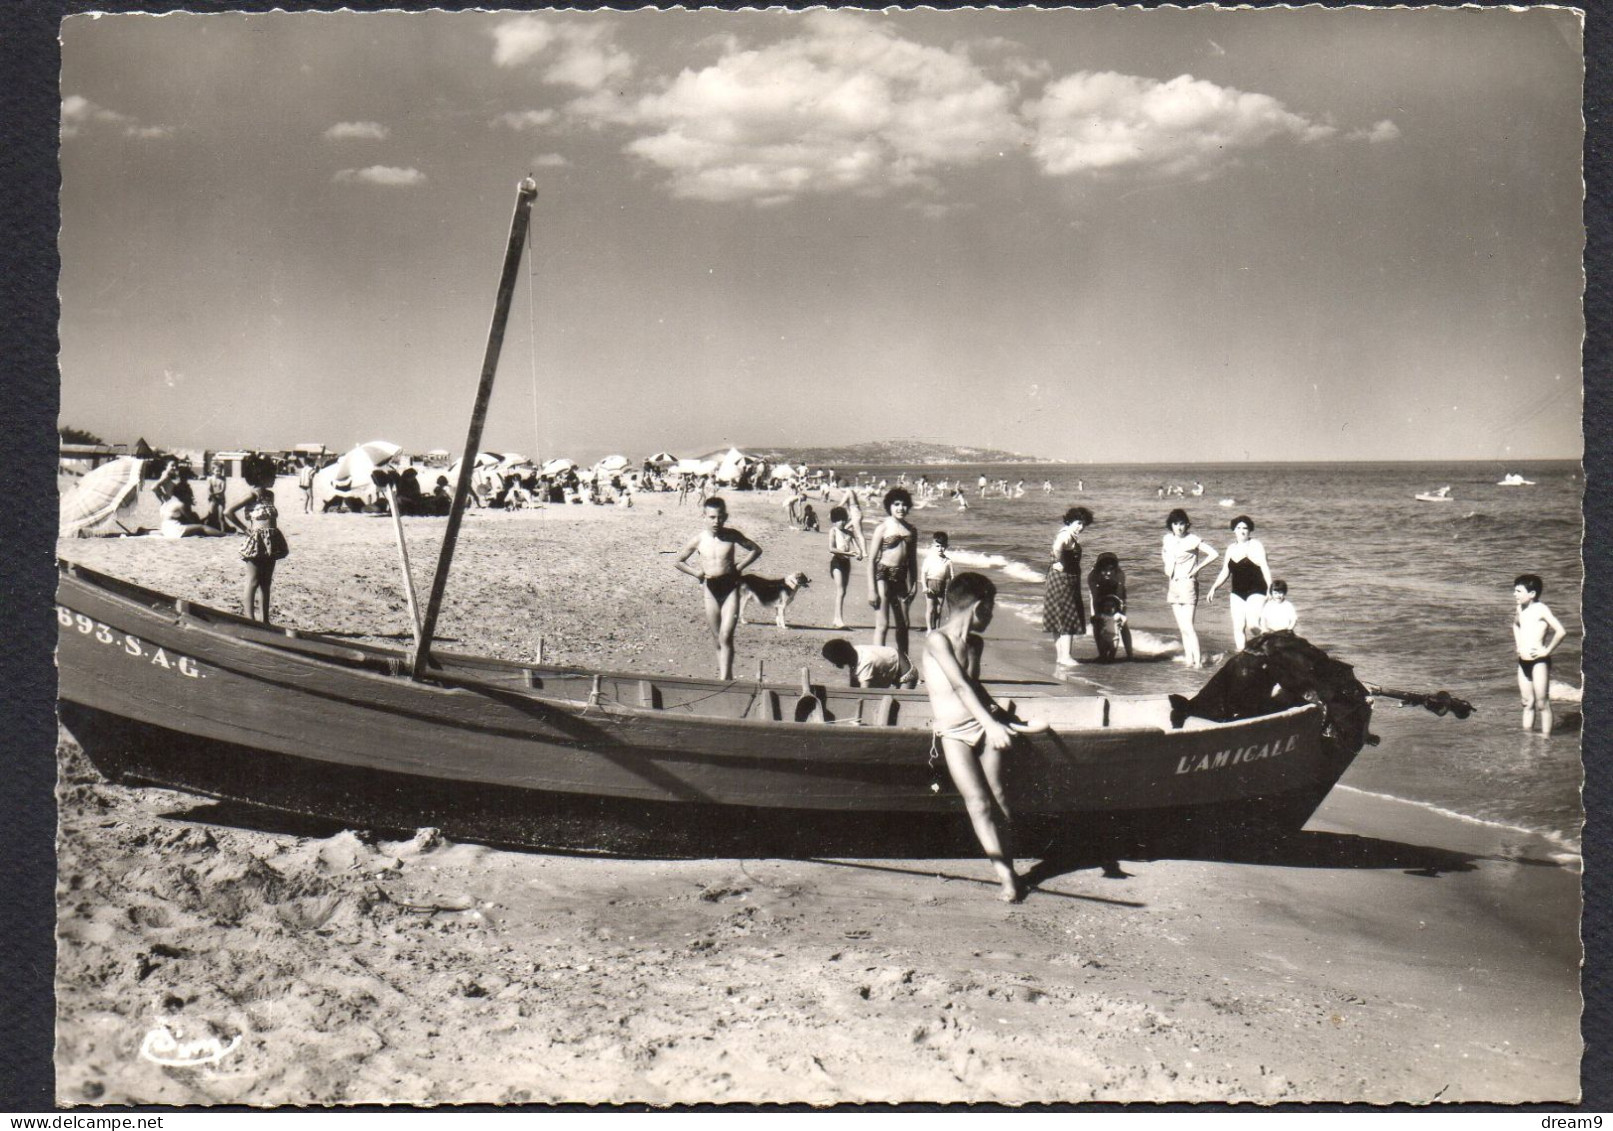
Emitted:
<point x="1386" y="954"/>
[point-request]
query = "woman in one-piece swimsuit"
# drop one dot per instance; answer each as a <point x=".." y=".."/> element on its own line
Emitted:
<point x="1246" y="567"/>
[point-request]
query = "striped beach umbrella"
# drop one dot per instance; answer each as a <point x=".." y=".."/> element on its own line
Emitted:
<point x="100" y="495"/>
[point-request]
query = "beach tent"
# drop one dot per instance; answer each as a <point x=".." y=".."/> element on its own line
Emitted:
<point x="785" y="471"/>
<point x="483" y="460"/>
<point x="143" y="449"/>
<point x="694" y="467"/>
<point x="97" y="498"/>
<point x="730" y="465"/>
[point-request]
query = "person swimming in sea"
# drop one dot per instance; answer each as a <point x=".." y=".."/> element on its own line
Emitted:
<point x="719" y="571"/>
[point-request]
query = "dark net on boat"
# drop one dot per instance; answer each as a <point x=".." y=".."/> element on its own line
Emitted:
<point x="1274" y="672"/>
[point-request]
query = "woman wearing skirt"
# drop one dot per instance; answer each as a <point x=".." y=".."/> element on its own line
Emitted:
<point x="1064" y="612"/>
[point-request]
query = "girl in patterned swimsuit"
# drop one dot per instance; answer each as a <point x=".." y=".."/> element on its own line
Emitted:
<point x="893" y="569"/>
<point x="264" y="545"/>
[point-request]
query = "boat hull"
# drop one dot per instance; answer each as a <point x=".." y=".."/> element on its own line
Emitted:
<point x="166" y="696"/>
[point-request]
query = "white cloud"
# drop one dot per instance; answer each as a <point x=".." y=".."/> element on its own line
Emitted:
<point x="381" y="175"/>
<point x="570" y="54"/>
<point x="846" y="106"/>
<point x="521" y="40"/>
<point x="358" y="131"/>
<point x="78" y="110"/>
<point x="524" y="119"/>
<point x="549" y="161"/>
<point x="79" y="114"/>
<point x="1378" y="132"/>
<point x="1099" y="122"/>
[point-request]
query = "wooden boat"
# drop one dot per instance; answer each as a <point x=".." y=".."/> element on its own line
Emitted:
<point x="1441" y="495"/>
<point x="161" y="691"/>
<point x="164" y="692"/>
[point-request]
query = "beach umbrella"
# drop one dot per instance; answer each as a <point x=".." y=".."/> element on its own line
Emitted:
<point x="611" y="463"/>
<point x="661" y="459"/>
<point x="513" y="459"/>
<point x="357" y="464"/>
<point x="556" y="466"/>
<point x="100" y="495"/>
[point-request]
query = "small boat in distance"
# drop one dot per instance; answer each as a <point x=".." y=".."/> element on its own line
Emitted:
<point x="1442" y="495"/>
<point x="1513" y="479"/>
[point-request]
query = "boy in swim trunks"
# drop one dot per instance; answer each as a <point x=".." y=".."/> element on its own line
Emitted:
<point x="1536" y="632"/>
<point x="719" y="572"/>
<point x="937" y="573"/>
<point x="965" y="720"/>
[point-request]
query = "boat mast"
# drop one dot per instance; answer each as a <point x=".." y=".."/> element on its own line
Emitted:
<point x="525" y="195"/>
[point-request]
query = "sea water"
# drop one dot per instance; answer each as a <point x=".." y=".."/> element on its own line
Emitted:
<point x="1416" y="595"/>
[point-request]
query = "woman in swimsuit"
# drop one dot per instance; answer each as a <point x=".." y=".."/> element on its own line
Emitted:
<point x="965" y="723"/>
<point x="1184" y="554"/>
<point x="1245" y="564"/>
<point x="1064" y="612"/>
<point x="842" y="545"/>
<point x="179" y="520"/>
<point x="893" y="569"/>
<point x="264" y="545"/>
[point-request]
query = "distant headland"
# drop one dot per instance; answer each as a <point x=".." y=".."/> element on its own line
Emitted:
<point x="883" y="452"/>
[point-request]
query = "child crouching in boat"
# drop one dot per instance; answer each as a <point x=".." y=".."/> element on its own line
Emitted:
<point x="970" y="726"/>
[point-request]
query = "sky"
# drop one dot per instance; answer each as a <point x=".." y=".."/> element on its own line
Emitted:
<point x="1095" y="235"/>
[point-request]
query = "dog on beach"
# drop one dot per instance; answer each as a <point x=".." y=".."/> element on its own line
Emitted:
<point x="771" y="593"/>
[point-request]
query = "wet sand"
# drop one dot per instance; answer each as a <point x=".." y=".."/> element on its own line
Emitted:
<point x="1385" y="954"/>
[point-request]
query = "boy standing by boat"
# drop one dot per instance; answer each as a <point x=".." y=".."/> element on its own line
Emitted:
<point x="719" y="572"/>
<point x="1536" y="631"/>
<point x="972" y="730"/>
<point x="937" y="573"/>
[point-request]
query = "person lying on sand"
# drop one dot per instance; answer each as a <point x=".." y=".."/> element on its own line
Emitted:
<point x="971" y="728"/>
<point x="719" y="572"/>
